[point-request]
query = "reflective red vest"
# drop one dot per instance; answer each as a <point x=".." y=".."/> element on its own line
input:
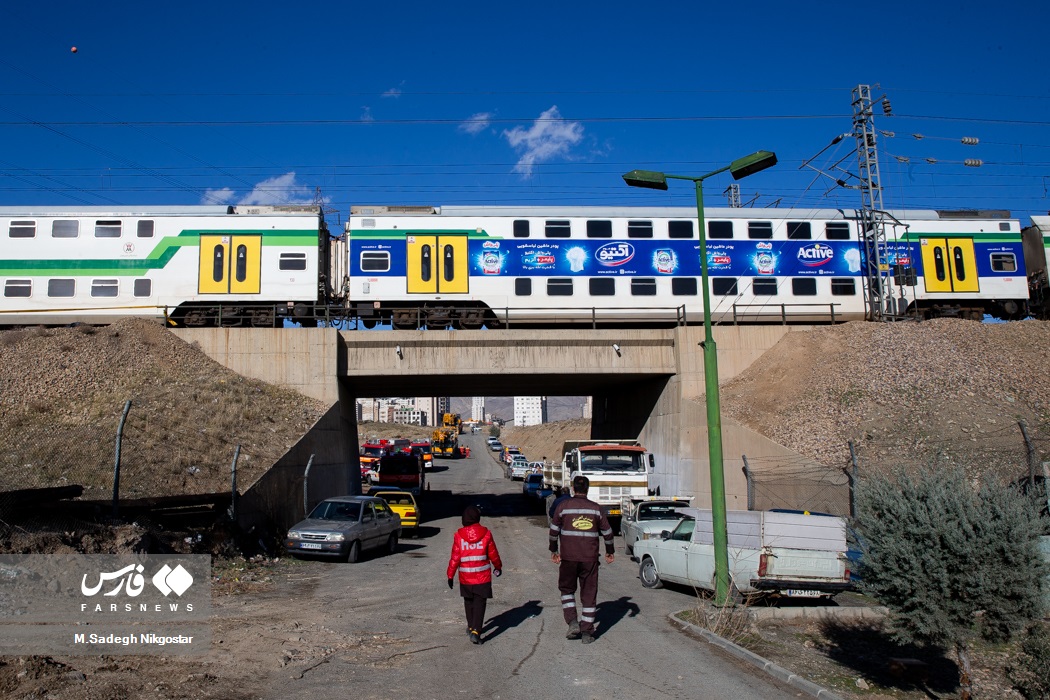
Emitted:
<point x="474" y="553"/>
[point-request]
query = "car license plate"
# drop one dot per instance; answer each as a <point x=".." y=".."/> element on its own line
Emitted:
<point x="799" y="593"/>
<point x="309" y="545"/>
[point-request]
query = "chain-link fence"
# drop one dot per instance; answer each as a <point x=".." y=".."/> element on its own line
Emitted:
<point x="1012" y="453"/>
<point x="124" y="463"/>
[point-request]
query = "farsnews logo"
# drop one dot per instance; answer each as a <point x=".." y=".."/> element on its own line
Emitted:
<point x="614" y="254"/>
<point x="815" y="254"/>
<point x="130" y="580"/>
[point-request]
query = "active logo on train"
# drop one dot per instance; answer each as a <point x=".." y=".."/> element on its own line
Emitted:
<point x="815" y="254"/>
<point x="614" y="254"/>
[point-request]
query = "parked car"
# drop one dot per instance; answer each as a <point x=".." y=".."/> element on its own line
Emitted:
<point x="344" y="527"/>
<point x="404" y="504"/>
<point x="531" y="484"/>
<point x="518" y="467"/>
<point x="645" y="519"/>
<point x="496" y="446"/>
<point x="788" y="554"/>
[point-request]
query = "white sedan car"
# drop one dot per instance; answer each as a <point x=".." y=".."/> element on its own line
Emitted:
<point x="646" y="520"/>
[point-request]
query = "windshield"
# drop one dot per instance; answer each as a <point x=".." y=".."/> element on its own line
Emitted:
<point x="397" y="499"/>
<point x="336" y="510"/>
<point x="398" y="465"/>
<point x="612" y="462"/>
<point x="658" y="511"/>
<point x="373" y="451"/>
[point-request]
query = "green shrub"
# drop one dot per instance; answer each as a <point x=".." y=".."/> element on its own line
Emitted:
<point x="1030" y="671"/>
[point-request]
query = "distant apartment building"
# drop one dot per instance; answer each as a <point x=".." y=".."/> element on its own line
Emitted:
<point x="428" y="405"/>
<point x="407" y="416"/>
<point x="477" y="409"/>
<point x="530" y="410"/>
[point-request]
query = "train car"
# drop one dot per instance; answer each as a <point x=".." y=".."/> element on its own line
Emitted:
<point x="194" y="266"/>
<point x="1037" y="263"/>
<point x="466" y="267"/>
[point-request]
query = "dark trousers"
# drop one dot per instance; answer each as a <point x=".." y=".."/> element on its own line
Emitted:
<point x="475" y="598"/>
<point x="586" y="572"/>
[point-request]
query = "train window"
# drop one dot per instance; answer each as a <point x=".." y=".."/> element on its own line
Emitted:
<point x="938" y="263"/>
<point x="521" y="228"/>
<point x="426" y="262"/>
<point x="65" y="228"/>
<point x="843" y="287"/>
<point x="723" y="286"/>
<point x="241" y="267"/>
<point x="1004" y="262"/>
<point x="107" y="228"/>
<point x="559" y="287"/>
<point x="759" y="229"/>
<point x="61" y="287"/>
<point x="104" y="288"/>
<point x="375" y="261"/>
<point x="719" y="229"/>
<point x="639" y="229"/>
<point x="1004" y="226"/>
<point x="683" y="286"/>
<point x="804" y="286"/>
<point x="836" y="231"/>
<point x="799" y="230"/>
<point x="18" y="288"/>
<point x="448" y="262"/>
<point x="523" y="286"/>
<point x="958" y="263"/>
<point x="764" y="286"/>
<point x="679" y="229"/>
<point x="292" y="261"/>
<point x="143" y="287"/>
<point x="557" y="228"/>
<point x="602" y="286"/>
<point x="145" y="228"/>
<point x="22" y="229"/>
<point x="599" y="229"/>
<point x="643" y="287"/>
<point x="218" y="263"/>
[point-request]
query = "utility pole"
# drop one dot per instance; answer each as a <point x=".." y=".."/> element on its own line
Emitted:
<point x="877" y="280"/>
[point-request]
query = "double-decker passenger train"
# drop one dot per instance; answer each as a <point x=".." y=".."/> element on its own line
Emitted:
<point x="469" y="267"/>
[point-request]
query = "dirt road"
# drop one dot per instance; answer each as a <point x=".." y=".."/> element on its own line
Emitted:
<point x="389" y="627"/>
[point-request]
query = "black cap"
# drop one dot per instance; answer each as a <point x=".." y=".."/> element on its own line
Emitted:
<point x="471" y="515"/>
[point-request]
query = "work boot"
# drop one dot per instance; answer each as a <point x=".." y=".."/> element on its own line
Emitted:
<point x="574" y="630"/>
<point x="475" y="637"/>
<point x="587" y="638"/>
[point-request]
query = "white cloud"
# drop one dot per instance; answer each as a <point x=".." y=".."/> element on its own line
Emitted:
<point x="366" y="114"/>
<point x="476" y="123"/>
<point x="393" y="92"/>
<point x="223" y="196"/>
<point x="282" y="189"/>
<point x="548" y="138"/>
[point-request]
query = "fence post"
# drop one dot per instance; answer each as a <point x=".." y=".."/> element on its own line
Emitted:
<point x="750" y="484"/>
<point x="116" y="462"/>
<point x="233" y="484"/>
<point x="1031" y="451"/>
<point x="306" y="483"/>
<point x="851" y="476"/>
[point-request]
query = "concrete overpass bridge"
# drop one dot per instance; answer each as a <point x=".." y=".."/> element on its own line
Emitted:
<point x="645" y="384"/>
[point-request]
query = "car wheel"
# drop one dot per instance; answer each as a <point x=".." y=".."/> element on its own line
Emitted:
<point x="391" y="544"/>
<point x="647" y="573"/>
<point x="353" y="555"/>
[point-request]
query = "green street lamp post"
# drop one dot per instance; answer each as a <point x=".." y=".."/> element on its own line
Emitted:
<point x="651" y="179"/>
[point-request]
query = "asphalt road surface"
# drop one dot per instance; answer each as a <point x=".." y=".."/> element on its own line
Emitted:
<point x="403" y="602"/>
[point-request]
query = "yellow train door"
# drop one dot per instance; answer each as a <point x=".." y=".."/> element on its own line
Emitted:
<point x="949" y="264"/>
<point x="436" y="264"/>
<point x="230" y="264"/>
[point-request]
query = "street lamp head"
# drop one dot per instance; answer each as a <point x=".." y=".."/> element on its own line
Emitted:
<point x="650" y="179"/>
<point x="749" y="165"/>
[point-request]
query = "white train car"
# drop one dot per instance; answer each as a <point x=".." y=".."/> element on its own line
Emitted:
<point x="468" y="266"/>
<point x="192" y="265"/>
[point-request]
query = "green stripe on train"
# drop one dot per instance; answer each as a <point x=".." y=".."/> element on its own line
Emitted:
<point x="158" y="258"/>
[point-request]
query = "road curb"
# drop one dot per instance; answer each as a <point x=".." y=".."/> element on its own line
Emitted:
<point x="778" y="672"/>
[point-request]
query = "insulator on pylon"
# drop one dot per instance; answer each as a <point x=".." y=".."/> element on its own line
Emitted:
<point x="931" y="161"/>
<point x="970" y="140"/>
<point x="918" y="137"/>
<point x="973" y="162"/>
<point x="886" y="108"/>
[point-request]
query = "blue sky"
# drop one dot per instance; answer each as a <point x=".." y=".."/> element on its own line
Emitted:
<point x="537" y="103"/>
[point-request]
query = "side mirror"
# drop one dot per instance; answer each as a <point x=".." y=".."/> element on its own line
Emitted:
<point x="665" y="535"/>
<point x="652" y="464"/>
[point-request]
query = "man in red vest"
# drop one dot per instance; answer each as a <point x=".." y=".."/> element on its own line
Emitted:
<point x="474" y="553"/>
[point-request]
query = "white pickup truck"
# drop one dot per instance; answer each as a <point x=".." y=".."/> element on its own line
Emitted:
<point x="645" y="518"/>
<point x="792" y="554"/>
